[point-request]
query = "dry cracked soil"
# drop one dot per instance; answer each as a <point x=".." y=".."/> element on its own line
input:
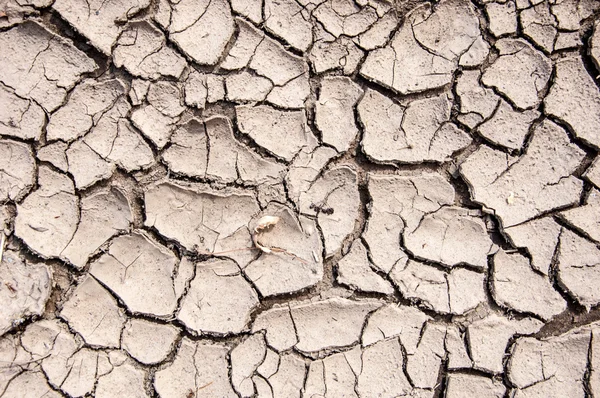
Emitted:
<point x="300" y="198"/>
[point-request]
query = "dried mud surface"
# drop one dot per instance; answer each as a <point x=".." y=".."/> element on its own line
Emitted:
<point x="299" y="198"/>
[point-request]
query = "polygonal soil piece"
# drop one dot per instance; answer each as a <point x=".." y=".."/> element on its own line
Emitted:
<point x="287" y="381"/>
<point x="379" y="33"/>
<point x="140" y="272"/>
<point x="229" y="160"/>
<point x="86" y="105"/>
<point x="540" y="25"/>
<point x="502" y="17"/>
<point x="86" y="166"/>
<point x="192" y="29"/>
<point x="587" y="217"/>
<point x="476" y="54"/>
<point x="332" y="375"/>
<point x="19" y="117"/>
<point x="394" y="320"/>
<point x="291" y="95"/>
<point x="423" y="365"/>
<point x="17" y="170"/>
<point x="251" y="9"/>
<point x="332" y="323"/>
<point x="334" y="200"/>
<point x="142" y="50"/>
<point x="103" y="215"/>
<point x="100" y="22"/>
<point x="520" y="188"/>
<point x="295" y="259"/>
<point x="288" y="20"/>
<point x="245" y="359"/>
<point x="138" y="91"/>
<point x="421" y="132"/>
<point x="508" y="127"/>
<point x="354" y="271"/>
<point x="458" y="357"/>
<point x="166" y="97"/>
<point x="246" y="87"/>
<point x="14" y="12"/>
<point x="188" y="152"/>
<point x="149" y="342"/>
<point x="423" y="54"/>
<point x="334" y="112"/>
<point x="206" y="309"/>
<point x="451" y="236"/>
<point x="477" y="103"/>
<point x="25" y="291"/>
<point x="488" y="337"/>
<point x="54" y="154"/>
<point x="200" y="88"/>
<point x="92" y="312"/>
<point x="156" y="126"/>
<point x="578" y="271"/>
<point x="570" y="13"/>
<point x="48" y="218"/>
<point x="345" y="17"/>
<point x="332" y="55"/>
<point x="272" y="61"/>
<point x="245" y="45"/>
<point x="390" y="196"/>
<point x="279" y="328"/>
<point x="516" y="286"/>
<point x="454" y="292"/>
<point x="34" y="383"/>
<point x="539" y="237"/>
<point x="305" y="169"/>
<point x="200" y="367"/>
<point x="124" y="379"/>
<point x="541" y="367"/>
<point x="199" y="219"/>
<point x="465" y="385"/>
<point x="283" y="133"/>
<point x="575" y="99"/>
<point x="382" y="374"/>
<point x="592" y="174"/>
<point x="40" y="65"/>
<point x="67" y="365"/>
<point x="521" y="72"/>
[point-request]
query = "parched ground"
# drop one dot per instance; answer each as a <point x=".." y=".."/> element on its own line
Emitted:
<point x="299" y="198"/>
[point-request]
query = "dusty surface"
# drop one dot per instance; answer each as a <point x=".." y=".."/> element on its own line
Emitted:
<point x="299" y="198"/>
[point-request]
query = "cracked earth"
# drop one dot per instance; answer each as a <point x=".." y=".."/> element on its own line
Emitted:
<point x="300" y="198"/>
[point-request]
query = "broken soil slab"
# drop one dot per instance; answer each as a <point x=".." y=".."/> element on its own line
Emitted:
<point x="149" y="342"/>
<point x="418" y="133"/>
<point x="521" y="72"/>
<point x="520" y="188"/>
<point x="454" y="292"/>
<point x="282" y="133"/>
<point x="198" y="218"/>
<point x="586" y="218"/>
<point x="424" y="53"/>
<point x="578" y="271"/>
<point x="93" y="312"/>
<point x="205" y="308"/>
<point x="354" y="270"/>
<point x="40" y="65"/>
<point x="575" y="99"/>
<point x="198" y="366"/>
<point x="142" y="50"/>
<point x="515" y="285"/>
<point x="17" y="170"/>
<point x="19" y="117"/>
<point x="25" y="291"/>
<point x="191" y="28"/>
<point x="140" y="272"/>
